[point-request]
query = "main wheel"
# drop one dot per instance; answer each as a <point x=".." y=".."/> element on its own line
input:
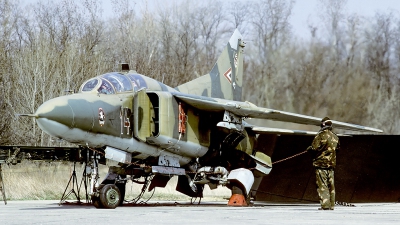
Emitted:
<point x="96" y="202"/>
<point x="110" y="196"/>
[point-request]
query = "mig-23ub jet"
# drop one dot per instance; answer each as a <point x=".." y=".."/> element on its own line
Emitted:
<point x="196" y="131"/>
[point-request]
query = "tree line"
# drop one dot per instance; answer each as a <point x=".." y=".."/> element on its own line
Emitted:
<point x="348" y="69"/>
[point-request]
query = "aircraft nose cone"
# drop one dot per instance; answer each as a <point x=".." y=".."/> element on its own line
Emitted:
<point x="55" y="116"/>
<point x="60" y="116"/>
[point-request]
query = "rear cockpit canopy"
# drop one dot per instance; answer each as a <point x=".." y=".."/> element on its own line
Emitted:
<point x="111" y="83"/>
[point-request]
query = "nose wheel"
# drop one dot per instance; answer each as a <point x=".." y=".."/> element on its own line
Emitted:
<point x="109" y="197"/>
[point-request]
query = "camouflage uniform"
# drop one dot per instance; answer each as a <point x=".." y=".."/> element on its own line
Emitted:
<point x="324" y="147"/>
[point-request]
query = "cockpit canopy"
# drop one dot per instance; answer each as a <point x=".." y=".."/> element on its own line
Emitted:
<point x="111" y="83"/>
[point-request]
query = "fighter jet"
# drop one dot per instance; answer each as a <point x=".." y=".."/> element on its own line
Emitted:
<point x="197" y="131"/>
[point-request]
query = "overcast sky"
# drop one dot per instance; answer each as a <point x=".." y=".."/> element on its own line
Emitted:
<point x="305" y="10"/>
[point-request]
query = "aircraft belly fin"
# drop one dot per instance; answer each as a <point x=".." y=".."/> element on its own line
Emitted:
<point x="263" y="163"/>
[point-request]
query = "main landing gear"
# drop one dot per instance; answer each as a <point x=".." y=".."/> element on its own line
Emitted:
<point x="109" y="197"/>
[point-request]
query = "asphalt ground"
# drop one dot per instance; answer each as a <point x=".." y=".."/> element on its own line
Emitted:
<point x="207" y="213"/>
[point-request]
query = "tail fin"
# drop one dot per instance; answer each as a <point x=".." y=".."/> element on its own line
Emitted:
<point x="226" y="77"/>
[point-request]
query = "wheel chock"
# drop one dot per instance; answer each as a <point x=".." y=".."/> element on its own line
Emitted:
<point x="237" y="200"/>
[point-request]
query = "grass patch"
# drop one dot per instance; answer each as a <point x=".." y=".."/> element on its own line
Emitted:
<point x="32" y="180"/>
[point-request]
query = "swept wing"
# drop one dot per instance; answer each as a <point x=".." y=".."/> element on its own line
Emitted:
<point x="249" y="110"/>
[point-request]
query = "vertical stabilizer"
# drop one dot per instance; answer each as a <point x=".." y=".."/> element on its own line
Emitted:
<point x="225" y="78"/>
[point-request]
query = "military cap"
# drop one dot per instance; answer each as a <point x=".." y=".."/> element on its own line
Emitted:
<point x="326" y="121"/>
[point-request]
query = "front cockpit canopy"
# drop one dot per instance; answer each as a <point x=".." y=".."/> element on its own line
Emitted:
<point x="109" y="83"/>
<point x="113" y="83"/>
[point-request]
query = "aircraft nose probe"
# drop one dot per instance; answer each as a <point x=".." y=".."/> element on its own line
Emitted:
<point x="54" y="116"/>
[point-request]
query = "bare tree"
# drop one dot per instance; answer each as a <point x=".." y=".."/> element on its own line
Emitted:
<point x="271" y="24"/>
<point x="239" y="15"/>
<point x="348" y="73"/>
<point x="333" y="15"/>
<point x="379" y="48"/>
<point x="8" y="43"/>
<point x="211" y="29"/>
<point x="55" y="51"/>
<point x="271" y="30"/>
<point x="179" y="43"/>
<point x="353" y="41"/>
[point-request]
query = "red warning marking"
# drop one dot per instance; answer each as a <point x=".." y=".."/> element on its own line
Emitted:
<point x="182" y="120"/>
<point x="228" y="75"/>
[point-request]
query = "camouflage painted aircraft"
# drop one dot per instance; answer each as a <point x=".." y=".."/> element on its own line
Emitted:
<point x="196" y="131"/>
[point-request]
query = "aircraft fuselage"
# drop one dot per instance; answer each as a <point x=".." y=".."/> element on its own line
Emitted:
<point x="145" y="123"/>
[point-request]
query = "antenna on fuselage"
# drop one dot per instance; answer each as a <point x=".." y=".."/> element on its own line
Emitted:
<point x="124" y="67"/>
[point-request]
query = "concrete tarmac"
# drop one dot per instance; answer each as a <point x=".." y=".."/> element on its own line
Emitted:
<point x="207" y="213"/>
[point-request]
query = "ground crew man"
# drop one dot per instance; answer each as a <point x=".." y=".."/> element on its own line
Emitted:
<point x="323" y="148"/>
